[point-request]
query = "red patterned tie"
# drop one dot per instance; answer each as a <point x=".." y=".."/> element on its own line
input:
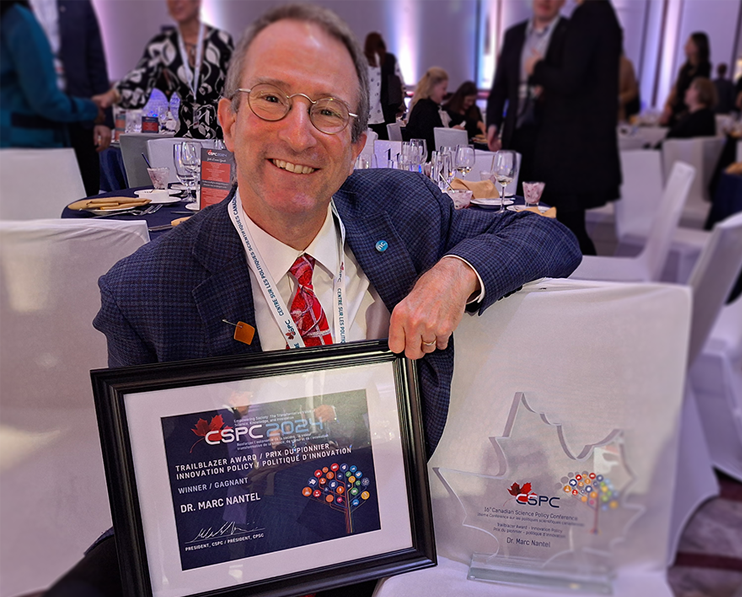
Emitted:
<point x="306" y="309"/>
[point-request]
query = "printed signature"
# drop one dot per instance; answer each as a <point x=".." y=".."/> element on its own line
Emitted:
<point x="228" y="529"/>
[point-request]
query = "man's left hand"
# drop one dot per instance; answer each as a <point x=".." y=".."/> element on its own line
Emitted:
<point x="101" y="137"/>
<point x="426" y="318"/>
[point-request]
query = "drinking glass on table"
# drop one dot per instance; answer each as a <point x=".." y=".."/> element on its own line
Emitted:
<point x="441" y="169"/>
<point x="187" y="157"/>
<point x="532" y="192"/>
<point x="162" y="114"/>
<point x="504" y="171"/>
<point x="464" y="159"/>
<point x="418" y="153"/>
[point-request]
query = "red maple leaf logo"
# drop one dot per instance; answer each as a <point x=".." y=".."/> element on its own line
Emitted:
<point x="514" y="488"/>
<point x="202" y="428"/>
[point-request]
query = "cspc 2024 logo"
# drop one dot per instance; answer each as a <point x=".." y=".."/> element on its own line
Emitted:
<point x="525" y="497"/>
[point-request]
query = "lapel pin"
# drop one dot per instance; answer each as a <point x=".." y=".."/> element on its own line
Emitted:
<point x="382" y="246"/>
<point x="243" y="332"/>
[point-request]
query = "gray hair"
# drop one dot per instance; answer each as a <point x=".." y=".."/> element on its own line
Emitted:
<point x="332" y="25"/>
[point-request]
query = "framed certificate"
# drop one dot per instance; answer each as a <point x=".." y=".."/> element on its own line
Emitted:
<point x="280" y="473"/>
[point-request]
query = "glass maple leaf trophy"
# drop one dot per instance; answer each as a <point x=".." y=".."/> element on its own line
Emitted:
<point x="555" y="515"/>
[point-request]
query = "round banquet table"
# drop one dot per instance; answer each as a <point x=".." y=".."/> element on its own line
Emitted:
<point x="157" y="222"/>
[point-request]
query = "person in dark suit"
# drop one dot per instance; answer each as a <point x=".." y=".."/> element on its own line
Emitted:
<point x="577" y="147"/>
<point x="724" y="91"/>
<point x="81" y="62"/>
<point x="514" y="105"/>
<point x="409" y="265"/>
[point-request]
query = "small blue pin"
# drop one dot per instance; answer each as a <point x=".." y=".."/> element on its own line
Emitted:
<point x="382" y="246"/>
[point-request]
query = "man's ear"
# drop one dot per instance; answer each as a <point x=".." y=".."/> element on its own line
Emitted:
<point x="356" y="149"/>
<point x="227" y="119"/>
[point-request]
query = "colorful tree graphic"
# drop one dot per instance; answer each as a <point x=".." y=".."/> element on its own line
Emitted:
<point x="593" y="490"/>
<point x="342" y="487"/>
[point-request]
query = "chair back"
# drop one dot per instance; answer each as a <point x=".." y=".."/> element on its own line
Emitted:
<point x="703" y="154"/>
<point x="666" y="220"/>
<point x="445" y="137"/>
<point x="38" y="183"/>
<point x="394" y="131"/>
<point x="160" y="154"/>
<point x="639" y="390"/>
<point x="53" y="498"/>
<point x="739" y="151"/>
<point x="712" y="278"/>
<point x="641" y="192"/>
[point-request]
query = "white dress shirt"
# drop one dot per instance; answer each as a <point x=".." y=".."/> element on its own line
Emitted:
<point x="368" y="316"/>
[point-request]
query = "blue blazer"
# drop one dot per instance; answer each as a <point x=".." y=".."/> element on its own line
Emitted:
<point x="166" y="302"/>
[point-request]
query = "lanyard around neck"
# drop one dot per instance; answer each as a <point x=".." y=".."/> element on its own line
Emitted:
<point x="192" y="75"/>
<point x="277" y="306"/>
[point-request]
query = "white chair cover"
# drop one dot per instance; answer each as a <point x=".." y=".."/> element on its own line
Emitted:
<point x="703" y="154"/>
<point x="446" y="137"/>
<point x="394" y="131"/>
<point x="160" y="154"/>
<point x="593" y="357"/>
<point x="647" y="266"/>
<point x="640" y="198"/>
<point x="716" y="378"/>
<point x="38" y="183"/>
<point x="711" y="280"/>
<point x="53" y="498"/>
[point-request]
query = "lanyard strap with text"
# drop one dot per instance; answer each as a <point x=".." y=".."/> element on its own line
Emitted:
<point x="192" y="75"/>
<point x="281" y="314"/>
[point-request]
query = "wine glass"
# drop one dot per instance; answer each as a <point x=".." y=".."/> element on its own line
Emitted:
<point x="441" y="169"/>
<point x="418" y="153"/>
<point x="464" y="159"/>
<point x="187" y="158"/>
<point x="532" y="192"/>
<point x="504" y="171"/>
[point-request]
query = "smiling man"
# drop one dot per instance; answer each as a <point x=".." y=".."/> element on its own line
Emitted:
<point x="303" y="234"/>
<point x="294" y="114"/>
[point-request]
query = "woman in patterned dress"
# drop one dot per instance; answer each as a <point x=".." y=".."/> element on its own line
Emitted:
<point x="169" y="62"/>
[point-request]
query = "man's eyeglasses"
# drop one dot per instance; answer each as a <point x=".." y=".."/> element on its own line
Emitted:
<point x="328" y="115"/>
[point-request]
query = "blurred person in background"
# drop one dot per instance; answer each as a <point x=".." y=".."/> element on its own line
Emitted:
<point x="628" y="90"/>
<point x="386" y="85"/>
<point x="512" y="93"/>
<point x="462" y="109"/>
<point x="697" y="55"/>
<point x="192" y="60"/>
<point x="724" y="90"/>
<point x="699" y="120"/>
<point x="71" y="27"/>
<point x="577" y="147"/>
<point x="425" y="108"/>
<point x="34" y="112"/>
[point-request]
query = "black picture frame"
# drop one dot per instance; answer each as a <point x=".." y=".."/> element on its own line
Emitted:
<point x="133" y="402"/>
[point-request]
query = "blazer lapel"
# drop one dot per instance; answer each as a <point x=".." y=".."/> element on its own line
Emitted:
<point x="226" y="294"/>
<point x="389" y="267"/>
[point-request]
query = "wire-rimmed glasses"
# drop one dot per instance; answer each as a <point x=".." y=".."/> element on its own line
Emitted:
<point x="329" y="115"/>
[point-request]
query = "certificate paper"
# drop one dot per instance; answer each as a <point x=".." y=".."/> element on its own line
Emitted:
<point x="238" y="475"/>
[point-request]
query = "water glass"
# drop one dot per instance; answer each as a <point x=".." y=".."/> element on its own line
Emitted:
<point x="532" y="192"/>
<point x="159" y="177"/>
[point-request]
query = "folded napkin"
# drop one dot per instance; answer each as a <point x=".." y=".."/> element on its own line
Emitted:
<point x="549" y="213"/>
<point x="109" y="203"/>
<point x="484" y="189"/>
<point x="179" y="221"/>
<point x="735" y="168"/>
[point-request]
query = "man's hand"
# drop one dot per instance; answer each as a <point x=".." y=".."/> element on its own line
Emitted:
<point x="493" y="142"/>
<point x="105" y="100"/>
<point x="101" y="137"/>
<point x="427" y="317"/>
